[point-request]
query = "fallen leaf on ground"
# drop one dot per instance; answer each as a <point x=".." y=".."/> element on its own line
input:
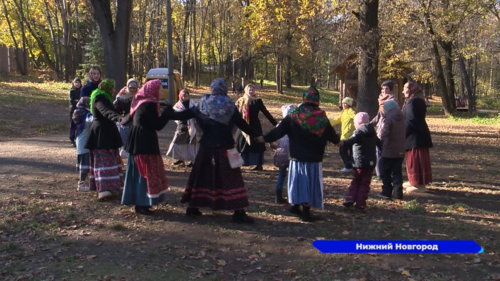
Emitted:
<point x="221" y="263"/>
<point x="406" y="272"/>
<point x="289" y="271"/>
<point x="345" y="232"/>
<point x="91" y="257"/>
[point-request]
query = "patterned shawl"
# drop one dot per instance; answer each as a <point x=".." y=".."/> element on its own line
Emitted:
<point x="217" y="105"/>
<point x="105" y="88"/>
<point x="150" y="92"/>
<point x="308" y="115"/>
<point x="244" y="103"/>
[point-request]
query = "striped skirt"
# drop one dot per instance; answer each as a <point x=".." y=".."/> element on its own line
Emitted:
<point x="305" y="183"/>
<point x="105" y="170"/>
<point x="418" y="166"/>
<point x="214" y="184"/>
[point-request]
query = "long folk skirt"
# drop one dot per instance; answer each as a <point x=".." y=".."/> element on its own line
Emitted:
<point x="213" y="183"/>
<point x="305" y="183"/>
<point x="105" y="170"/>
<point x="418" y="166"/>
<point x="136" y="192"/>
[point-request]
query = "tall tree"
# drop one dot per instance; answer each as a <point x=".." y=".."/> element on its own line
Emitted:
<point x="368" y="57"/>
<point x="16" y="48"/>
<point x="114" y="37"/>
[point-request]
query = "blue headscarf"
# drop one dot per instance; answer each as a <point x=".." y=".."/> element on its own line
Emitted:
<point x="217" y="105"/>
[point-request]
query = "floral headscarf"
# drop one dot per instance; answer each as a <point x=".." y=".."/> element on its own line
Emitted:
<point x="217" y="105"/>
<point x="150" y="92"/>
<point x="308" y="115"/>
<point x="105" y="88"/>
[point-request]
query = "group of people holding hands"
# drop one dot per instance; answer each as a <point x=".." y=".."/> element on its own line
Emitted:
<point x="107" y="129"/>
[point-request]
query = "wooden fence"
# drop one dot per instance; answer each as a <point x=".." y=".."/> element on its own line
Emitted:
<point x="8" y="62"/>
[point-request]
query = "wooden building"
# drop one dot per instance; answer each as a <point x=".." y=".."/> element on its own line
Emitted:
<point x="347" y="73"/>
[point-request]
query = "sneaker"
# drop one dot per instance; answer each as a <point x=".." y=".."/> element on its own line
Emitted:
<point x="407" y="184"/>
<point x="124" y="153"/>
<point x="377" y="179"/>
<point x="190" y="165"/>
<point x="381" y="195"/>
<point x="82" y="187"/>
<point x="73" y="144"/>
<point x="345" y="170"/>
<point x="295" y="209"/>
<point x="144" y="210"/>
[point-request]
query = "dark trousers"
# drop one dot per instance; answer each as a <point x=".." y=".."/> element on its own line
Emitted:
<point x="281" y="178"/>
<point x="392" y="177"/>
<point x="360" y="187"/>
<point x="346" y="155"/>
<point x="72" y="126"/>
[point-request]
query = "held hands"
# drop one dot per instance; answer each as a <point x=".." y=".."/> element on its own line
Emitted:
<point x="340" y="144"/>
<point x="260" y="139"/>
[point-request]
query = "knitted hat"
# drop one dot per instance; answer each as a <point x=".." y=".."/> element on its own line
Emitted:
<point x="107" y="85"/>
<point x="389" y="84"/>
<point x="77" y="79"/>
<point x="390" y="105"/>
<point x="348" y="101"/>
<point x="361" y="118"/>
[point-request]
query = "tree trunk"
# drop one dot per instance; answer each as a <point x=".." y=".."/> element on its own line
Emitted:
<point x="436" y="58"/>
<point x="450" y="81"/>
<point x="328" y="73"/>
<point x="53" y="37"/>
<point x="467" y="82"/>
<point x="267" y="72"/>
<point x="288" y="72"/>
<point x="183" y="43"/>
<point x="195" y="57"/>
<point x="68" y="69"/>
<point x="114" y="37"/>
<point x="141" y="44"/>
<point x="368" y="58"/>
<point x="18" y="60"/>
<point x="59" y="49"/>
<point x="77" y="59"/>
<point x="38" y="39"/>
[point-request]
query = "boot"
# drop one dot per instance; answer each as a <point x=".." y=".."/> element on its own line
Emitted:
<point x="258" y="168"/>
<point x="178" y="162"/>
<point x="240" y="216"/>
<point x="295" y="209"/>
<point x="306" y="214"/>
<point x="144" y="210"/>
<point x="82" y="187"/>
<point x="193" y="212"/>
<point x="279" y="197"/>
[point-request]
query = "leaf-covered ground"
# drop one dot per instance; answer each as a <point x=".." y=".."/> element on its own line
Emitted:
<point x="48" y="231"/>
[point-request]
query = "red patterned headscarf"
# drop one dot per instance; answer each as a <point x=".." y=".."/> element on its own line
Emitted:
<point x="150" y="92"/>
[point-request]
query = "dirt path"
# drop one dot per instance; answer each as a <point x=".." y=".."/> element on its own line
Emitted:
<point x="48" y="231"/>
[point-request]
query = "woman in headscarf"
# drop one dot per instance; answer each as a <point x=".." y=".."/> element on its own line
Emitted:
<point x="183" y="146"/>
<point x="122" y="105"/>
<point x="212" y="182"/>
<point x="145" y="182"/>
<point x="104" y="140"/>
<point x="249" y="107"/>
<point x="418" y="139"/>
<point x="308" y="130"/>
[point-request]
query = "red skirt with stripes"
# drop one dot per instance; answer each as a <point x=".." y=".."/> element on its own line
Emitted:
<point x="418" y="166"/>
<point x="214" y="184"/>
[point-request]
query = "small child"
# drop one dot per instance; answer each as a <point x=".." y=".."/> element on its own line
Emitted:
<point x="364" y="141"/>
<point x="74" y="97"/>
<point x="346" y="118"/>
<point x="83" y="120"/>
<point x="282" y="158"/>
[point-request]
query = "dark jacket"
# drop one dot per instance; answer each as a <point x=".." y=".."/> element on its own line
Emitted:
<point x="254" y="109"/>
<point x="304" y="145"/>
<point x="103" y="132"/>
<point x="88" y="89"/>
<point x="143" y="138"/>
<point x="393" y="135"/>
<point x="215" y="134"/>
<point x="363" y="142"/>
<point x="74" y="96"/>
<point x="122" y="104"/>
<point x="417" y="131"/>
